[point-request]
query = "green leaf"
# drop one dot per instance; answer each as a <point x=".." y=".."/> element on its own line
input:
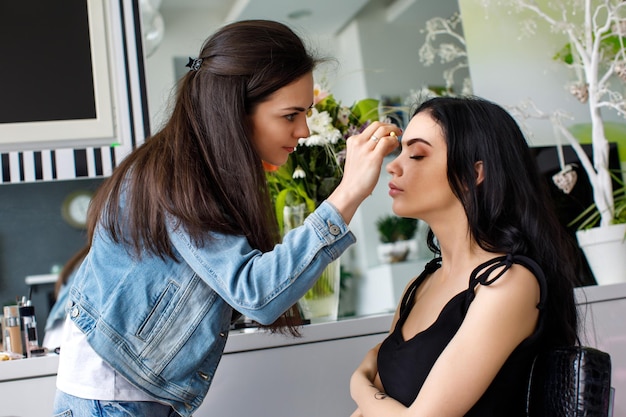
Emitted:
<point x="565" y="54"/>
<point x="366" y="110"/>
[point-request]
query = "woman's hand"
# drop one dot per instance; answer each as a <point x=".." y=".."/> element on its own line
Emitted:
<point x="364" y="159"/>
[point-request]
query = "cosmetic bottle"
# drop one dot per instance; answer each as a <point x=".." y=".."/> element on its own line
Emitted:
<point x="12" y="331"/>
<point x="28" y="324"/>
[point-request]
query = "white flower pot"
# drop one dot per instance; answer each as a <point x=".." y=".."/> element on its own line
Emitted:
<point x="605" y="250"/>
<point x="396" y="251"/>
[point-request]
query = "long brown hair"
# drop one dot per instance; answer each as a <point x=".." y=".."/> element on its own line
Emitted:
<point x="201" y="167"/>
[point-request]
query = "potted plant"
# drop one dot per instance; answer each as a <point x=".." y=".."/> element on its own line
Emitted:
<point x="605" y="247"/>
<point x="590" y="218"/>
<point x="395" y="235"/>
<point x="595" y="51"/>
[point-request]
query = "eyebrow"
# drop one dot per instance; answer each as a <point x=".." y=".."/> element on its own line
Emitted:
<point x="300" y="109"/>
<point x="410" y="142"/>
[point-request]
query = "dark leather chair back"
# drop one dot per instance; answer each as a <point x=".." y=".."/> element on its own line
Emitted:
<point x="572" y="381"/>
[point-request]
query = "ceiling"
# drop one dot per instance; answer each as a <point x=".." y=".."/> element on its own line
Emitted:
<point x="313" y="16"/>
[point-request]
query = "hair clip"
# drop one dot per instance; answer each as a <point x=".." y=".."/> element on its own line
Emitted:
<point x="194" y="64"/>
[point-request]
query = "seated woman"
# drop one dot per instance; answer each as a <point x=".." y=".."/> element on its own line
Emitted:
<point x="500" y="288"/>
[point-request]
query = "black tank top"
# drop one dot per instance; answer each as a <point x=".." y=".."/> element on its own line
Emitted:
<point x="404" y="365"/>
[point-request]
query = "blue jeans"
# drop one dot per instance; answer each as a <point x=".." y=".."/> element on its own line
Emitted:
<point x="66" y="405"/>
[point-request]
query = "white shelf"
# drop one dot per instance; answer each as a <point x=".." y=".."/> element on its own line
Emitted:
<point x="41" y="279"/>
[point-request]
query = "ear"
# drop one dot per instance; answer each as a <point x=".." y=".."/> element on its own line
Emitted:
<point x="480" y="175"/>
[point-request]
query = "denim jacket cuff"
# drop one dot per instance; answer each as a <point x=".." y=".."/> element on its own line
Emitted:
<point x="332" y="229"/>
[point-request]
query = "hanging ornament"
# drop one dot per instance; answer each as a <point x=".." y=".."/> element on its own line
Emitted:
<point x="580" y="91"/>
<point x="566" y="178"/>
<point x="620" y="70"/>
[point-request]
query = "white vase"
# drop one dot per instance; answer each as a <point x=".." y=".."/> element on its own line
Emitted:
<point x="605" y="250"/>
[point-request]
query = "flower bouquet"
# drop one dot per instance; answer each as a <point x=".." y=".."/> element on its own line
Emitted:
<point x="311" y="174"/>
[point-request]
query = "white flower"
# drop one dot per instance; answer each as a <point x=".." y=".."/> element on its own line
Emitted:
<point x="298" y="173"/>
<point x="322" y="130"/>
<point x="313" y="140"/>
<point x="333" y="135"/>
<point x="318" y="122"/>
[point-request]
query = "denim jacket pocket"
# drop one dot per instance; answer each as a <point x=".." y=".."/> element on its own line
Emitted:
<point x="158" y="312"/>
<point x="173" y="323"/>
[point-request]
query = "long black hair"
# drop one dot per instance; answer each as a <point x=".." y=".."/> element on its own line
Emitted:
<point x="510" y="211"/>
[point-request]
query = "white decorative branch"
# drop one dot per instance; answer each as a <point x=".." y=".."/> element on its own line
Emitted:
<point x="454" y="51"/>
<point x="599" y="71"/>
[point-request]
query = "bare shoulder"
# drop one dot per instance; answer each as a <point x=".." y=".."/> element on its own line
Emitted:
<point x="512" y="298"/>
<point x="517" y="277"/>
<point x="517" y="287"/>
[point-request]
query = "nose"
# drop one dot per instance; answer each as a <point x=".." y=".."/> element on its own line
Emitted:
<point x="393" y="167"/>
<point x="302" y="129"/>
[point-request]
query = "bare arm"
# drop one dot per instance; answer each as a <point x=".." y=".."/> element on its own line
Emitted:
<point x="365" y="388"/>
<point x="366" y="375"/>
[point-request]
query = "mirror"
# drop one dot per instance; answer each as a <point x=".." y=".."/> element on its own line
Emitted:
<point x="376" y="44"/>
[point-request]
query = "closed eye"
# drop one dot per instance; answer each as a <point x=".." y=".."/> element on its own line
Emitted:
<point x="417" y="157"/>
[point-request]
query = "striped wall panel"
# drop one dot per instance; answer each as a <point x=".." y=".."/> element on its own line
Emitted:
<point x="131" y="114"/>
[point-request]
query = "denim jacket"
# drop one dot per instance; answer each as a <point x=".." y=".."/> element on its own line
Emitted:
<point x="163" y="324"/>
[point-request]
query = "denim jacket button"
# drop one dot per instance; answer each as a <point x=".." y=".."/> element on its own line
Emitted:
<point x="75" y="312"/>
<point x="203" y="375"/>
<point x="334" y="229"/>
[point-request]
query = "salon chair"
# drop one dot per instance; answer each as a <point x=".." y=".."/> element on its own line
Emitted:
<point x="570" y="382"/>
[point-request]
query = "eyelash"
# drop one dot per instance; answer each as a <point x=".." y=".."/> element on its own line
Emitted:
<point x="417" y="157"/>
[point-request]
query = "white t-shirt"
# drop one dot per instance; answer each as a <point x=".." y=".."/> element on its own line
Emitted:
<point x="82" y="373"/>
